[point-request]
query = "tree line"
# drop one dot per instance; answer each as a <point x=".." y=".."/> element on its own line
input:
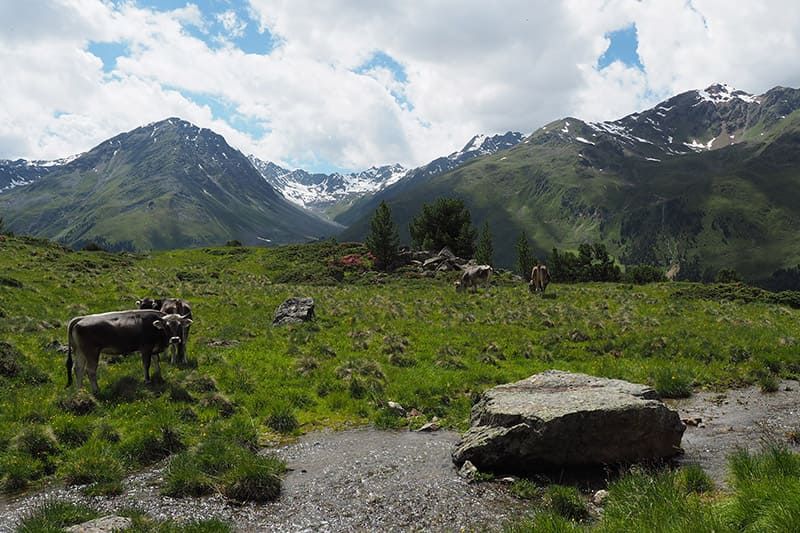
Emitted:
<point x="447" y="223"/>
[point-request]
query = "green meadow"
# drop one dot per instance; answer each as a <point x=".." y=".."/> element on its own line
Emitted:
<point x="376" y="338"/>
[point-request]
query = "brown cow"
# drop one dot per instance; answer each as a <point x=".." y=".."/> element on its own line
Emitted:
<point x="472" y="276"/>
<point x="172" y="306"/>
<point x="146" y="331"/>
<point x="540" y="277"/>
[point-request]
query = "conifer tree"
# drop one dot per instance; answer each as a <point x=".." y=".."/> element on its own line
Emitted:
<point x="383" y="239"/>
<point x="485" y="251"/>
<point x="525" y="258"/>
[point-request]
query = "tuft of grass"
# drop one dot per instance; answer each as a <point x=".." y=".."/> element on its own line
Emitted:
<point x="255" y="479"/>
<point x="18" y="470"/>
<point x="283" y="420"/>
<point x="767" y="489"/>
<point x="37" y="441"/>
<point x="184" y="477"/>
<point x="151" y="447"/>
<point x="768" y="383"/>
<point x="692" y="478"/>
<point x="565" y="501"/>
<point x="221" y="403"/>
<point x="10" y="359"/>
<point x="91" y="463"/>
<point x="71" y="430"/>
<point x="672" y="383"/>
<point x="55" y="515"/>
<point x="647" y="501"/>
<point x="196" y="382"/>
<point x="79" y="403"/>
<point x="525" y="489"/>
<point x="543" y="522"/>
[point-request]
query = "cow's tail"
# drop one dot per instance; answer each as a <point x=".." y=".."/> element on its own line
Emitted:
<point x="69" y="353"/>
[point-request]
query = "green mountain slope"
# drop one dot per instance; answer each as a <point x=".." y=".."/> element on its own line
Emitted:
<point x="166" y="185"/>
<point x="653" y="191"/>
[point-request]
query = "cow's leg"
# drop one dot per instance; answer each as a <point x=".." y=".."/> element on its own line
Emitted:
<point x="91" y="370"/>
<point x="80" y="367"/>
<point x="157" y="364"/>
<point x="183" y="358"/>
<point x="174" y="354"/>
<point x="146" y="364"/>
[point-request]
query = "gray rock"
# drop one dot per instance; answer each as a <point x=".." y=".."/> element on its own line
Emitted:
<point x="600" y="497"/>
<point x="558" y="419"/>
<point x="106" y="524"/>
<point x="468" y="471"/>
<point x="396" y="408"/>
<point x="294" y="311"/>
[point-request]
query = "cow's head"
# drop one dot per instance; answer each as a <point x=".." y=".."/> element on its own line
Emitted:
<point x="149" y="303"/>
<point x="174" y="327"/>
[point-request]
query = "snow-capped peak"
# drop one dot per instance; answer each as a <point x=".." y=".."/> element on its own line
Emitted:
<point x="720" y="93"/>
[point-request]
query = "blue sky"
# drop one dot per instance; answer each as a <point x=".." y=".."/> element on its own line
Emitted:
<point x="347" y="84"/>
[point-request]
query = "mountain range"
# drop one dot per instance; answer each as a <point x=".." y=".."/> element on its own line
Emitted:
<point x="708" y="176"/>
<point x="168" y="184"/>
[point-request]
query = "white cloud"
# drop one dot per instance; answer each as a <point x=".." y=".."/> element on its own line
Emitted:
<point x="469" y="67"/>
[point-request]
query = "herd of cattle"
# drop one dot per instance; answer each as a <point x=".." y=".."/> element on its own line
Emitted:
<point x="160" y="324"/>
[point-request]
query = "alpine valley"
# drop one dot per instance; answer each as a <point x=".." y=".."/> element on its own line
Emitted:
<point x="709" y="177"/>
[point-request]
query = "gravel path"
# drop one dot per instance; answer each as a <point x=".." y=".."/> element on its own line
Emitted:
<point x="370" y="480"/>
<point x="357" y="480"/>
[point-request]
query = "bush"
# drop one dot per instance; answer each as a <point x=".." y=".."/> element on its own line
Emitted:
<point x="768" y="382"/>
<point x="526" y="489"/>
<point x="641" y="274"/>
<point x="727" y="275"/>
<point x="17" y="470"/>
<point x="72" y="431"/>
<point x="591" y="263"/>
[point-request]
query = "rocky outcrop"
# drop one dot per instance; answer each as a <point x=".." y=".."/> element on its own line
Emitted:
<point x="560" y="420"/>
<point x="106" y="524"/>
<point x="294" y="311"/>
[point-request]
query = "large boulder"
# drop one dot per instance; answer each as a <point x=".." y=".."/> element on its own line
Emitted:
<point x="559" y="420"/>
<point x="294" y="311"/>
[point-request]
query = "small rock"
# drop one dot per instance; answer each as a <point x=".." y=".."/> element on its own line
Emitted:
<point x="507" y="480"/>
<point x="396" y="408"/>
<point x="695" y="421"/>
<point x="468" y="471"/>
<point x="430" y="426"/>
<point x="414" y="413"/>
<point x="106" y="524"/>
<point x="600" y="497"/>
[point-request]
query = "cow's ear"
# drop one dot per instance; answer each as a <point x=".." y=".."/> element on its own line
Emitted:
<point x="158" y="324"/>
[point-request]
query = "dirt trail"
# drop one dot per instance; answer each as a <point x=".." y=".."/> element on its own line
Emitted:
<point x="368" y="480"/>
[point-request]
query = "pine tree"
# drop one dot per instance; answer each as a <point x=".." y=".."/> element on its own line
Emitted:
<point x="485" y="250"/>
<point x="525" y="258"/>
<point x="383" y="239"/>
<point x="445" y="222"/>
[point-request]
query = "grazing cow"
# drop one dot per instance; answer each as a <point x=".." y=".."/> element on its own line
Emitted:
<point x="473" y="276"/>
<point x="146" y="331"/>
<point x="540" y="277"/>
<point x="172" y="306"/>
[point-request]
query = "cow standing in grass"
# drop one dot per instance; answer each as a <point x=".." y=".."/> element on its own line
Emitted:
<point x="142" y="330"/>
<point x="172" y="306"/>
<point x="540" y="277"/>
<point x="473" y="276"/>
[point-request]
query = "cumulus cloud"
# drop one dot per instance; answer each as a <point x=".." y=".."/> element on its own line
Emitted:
<point x="467" y="66"/>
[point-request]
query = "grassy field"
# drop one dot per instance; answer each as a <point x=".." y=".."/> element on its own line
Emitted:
<point x="376" y="339"/>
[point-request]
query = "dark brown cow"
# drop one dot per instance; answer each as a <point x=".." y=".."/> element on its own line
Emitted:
<point x="172" y="306"/>
<point x="146" y="331"/>
<point x="540" y="277"/>
<point x="472" y="276"/>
